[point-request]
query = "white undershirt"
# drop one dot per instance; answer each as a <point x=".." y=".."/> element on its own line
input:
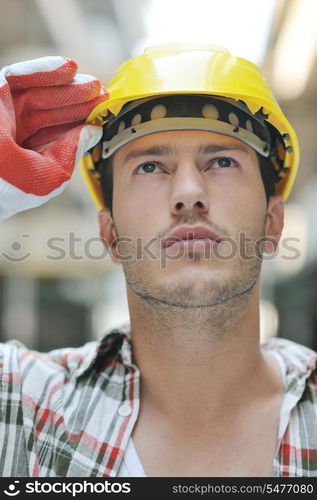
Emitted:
<point x="281" y="363"/>
<point x="131" y="465"/>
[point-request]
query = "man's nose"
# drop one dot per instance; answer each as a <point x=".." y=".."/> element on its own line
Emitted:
<point x="188" y="191"/>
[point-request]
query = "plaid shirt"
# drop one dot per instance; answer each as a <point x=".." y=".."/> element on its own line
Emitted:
<point x="70" y="413"/>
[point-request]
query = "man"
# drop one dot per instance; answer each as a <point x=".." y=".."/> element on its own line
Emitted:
<point x="190" y="175"/>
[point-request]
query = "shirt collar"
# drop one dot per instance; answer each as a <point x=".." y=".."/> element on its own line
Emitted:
<point x="115" y="341"/>
<point x="300" y="360"/>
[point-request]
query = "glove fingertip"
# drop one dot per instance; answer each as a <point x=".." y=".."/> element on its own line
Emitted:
<point x="71" y="64"/>
<point x="104" y="92"/>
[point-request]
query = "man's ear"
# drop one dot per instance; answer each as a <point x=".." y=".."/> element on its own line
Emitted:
<point x="108" y="233"/>
<point x="274" y="223"/>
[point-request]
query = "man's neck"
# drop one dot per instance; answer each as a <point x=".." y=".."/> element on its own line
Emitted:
<point x="193" y="358"/>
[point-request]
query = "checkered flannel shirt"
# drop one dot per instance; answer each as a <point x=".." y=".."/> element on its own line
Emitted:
<point x="70" y="413"/>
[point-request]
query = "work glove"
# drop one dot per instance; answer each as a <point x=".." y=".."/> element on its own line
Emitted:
<point x="43" y="134"/>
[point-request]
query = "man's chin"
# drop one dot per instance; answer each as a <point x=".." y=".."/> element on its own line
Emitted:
<point x="191" y="292"/>
<point x="195" y="288"/>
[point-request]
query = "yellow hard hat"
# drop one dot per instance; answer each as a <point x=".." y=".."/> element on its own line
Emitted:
<point x="205" y="70"/>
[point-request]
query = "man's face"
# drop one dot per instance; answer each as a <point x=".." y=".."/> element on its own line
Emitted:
<point x="192" y="180"/>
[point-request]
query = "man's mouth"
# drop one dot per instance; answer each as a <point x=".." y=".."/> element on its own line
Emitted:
<point x="191" y="237"/>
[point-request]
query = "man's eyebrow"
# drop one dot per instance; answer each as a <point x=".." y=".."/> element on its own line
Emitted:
<point x="167" y="150"/>
<point x="152" y="151"/>
<point x="216" y="148"/>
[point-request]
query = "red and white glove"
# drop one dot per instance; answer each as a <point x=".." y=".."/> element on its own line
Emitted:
<point x="43" y="134"/>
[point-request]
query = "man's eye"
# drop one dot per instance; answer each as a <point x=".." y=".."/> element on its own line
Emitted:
<point x="224" y="162"/>
<point x="147" y="167"/>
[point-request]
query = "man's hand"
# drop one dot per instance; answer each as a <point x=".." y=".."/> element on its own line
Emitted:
<point x="43" y="134"/>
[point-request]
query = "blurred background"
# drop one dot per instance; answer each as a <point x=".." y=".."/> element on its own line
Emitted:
<point x="57" y="285"/>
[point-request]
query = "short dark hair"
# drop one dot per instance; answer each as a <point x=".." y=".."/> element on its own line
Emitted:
<point x="106" y="182"/>
<point x="268" y="174"/>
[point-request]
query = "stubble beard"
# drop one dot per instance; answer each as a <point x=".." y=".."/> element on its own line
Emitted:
<point x="232" y="285"/>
